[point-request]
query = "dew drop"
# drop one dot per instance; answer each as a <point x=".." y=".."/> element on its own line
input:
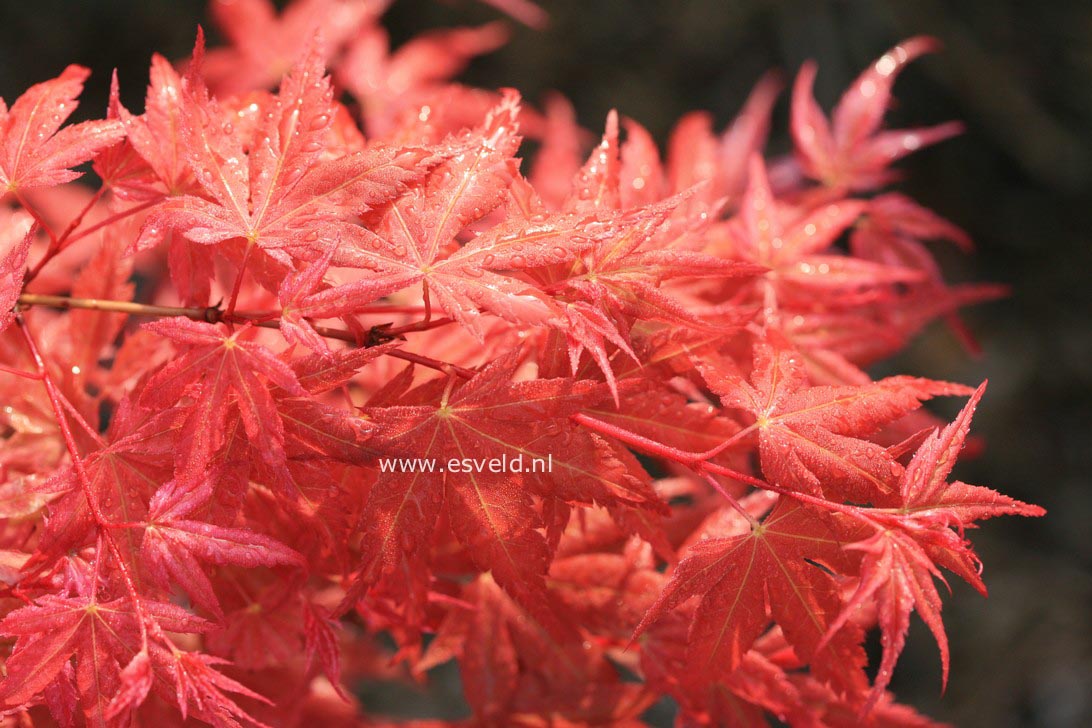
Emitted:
<point x="292" y="175"/>
<point x="886" y="65"/>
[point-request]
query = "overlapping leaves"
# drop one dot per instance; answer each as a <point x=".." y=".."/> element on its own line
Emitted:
<point x="634" y="455"/>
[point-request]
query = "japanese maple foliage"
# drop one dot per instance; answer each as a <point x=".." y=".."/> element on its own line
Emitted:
<point x="312" y="262"/>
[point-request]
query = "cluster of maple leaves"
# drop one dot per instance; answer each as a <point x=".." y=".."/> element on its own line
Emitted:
<point x="204" y="360"/>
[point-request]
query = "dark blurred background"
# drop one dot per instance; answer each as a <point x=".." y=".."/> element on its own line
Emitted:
<point x="1018" y="73"/>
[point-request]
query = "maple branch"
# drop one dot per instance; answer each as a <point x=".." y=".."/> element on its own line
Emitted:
<point x="112" y="219"/>
<point x="428" y="361"/>
<point x="78" y="220"/>
<point x="57" y="244"/>
<point x="425" y="300"/>
<point x="82" y="422"/>
<point x="37" y="218"/>
<point x="213" y="314"/>
<point x="695" y="460"/>
<point x="425" y="325"/>
<point x="19" y="372"/>
<point x="730" y="498"/>
<point x="239" y="278"/>
<point x="699" y="463"/>
<point x="208" y="314"/>
<point x="386" y="308"/>
<point x="859" y="512"/>
<point x="714" y="451"/>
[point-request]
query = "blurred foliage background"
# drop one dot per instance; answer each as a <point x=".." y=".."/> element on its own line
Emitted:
<point x="1020" y="181"/>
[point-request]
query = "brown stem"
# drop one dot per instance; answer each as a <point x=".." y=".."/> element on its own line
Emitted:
<point x="382" y="308"/>
<point x="213" y="314"/>
<point x="425" y="325"/>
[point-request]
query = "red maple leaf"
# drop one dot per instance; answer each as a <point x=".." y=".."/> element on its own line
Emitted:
<point x="508" y="658"/>
<point x="12" y="267"/>
<point x="849" y="152"/>
<point x="269" y="189"/>
<point x="636" y="455"/>
<point x="263" y="46"/>
<point x="156" y="138"/>
<point x="221" y="370"/>
<point x="924" y="531"/>
<point x="491" y="508"/>
<point x="813" y="439"/>
<point x="102" y="635"/>
<point x="750" y="574"/>
<point x="174" y="544"/>
<point x="34" y="150"/>
<point x="412" y="80"/>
